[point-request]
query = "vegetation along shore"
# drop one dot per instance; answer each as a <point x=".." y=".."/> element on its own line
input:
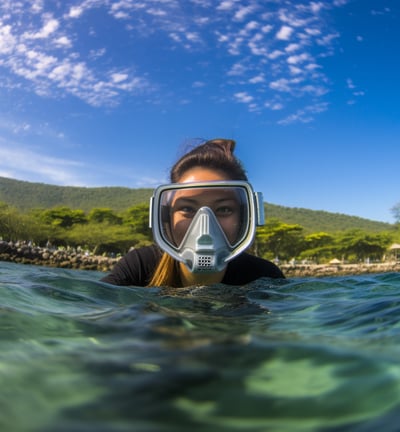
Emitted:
<point x="71" y="258"/>
<point x="89" y="228"/>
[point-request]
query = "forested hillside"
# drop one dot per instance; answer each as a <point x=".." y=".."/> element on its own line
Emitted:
<point x="25" y="196"/>
<point x="318" y="220"/>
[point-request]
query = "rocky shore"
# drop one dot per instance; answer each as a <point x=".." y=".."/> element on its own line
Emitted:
<point x="25" y="253"/>
<point x="322" y="270"/>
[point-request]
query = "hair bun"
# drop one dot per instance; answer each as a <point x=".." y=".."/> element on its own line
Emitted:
<point x="227" y="145"/>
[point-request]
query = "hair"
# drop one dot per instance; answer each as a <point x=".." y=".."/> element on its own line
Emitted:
<point x="215" y="154"/>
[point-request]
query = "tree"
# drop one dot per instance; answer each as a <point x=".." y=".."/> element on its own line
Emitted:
<point x="137" y="218"/>
<point x="104" y="237"/>
<point x="359" y="245"/>
<point x="12" y="225"/>
<point x="318" y="246"/>
<point x="63" y="217"/>
<point x="100" y="215"/>
<point x="318" y="239"/>
<point x="279" y="240"/>
<point x="396" y="212"/>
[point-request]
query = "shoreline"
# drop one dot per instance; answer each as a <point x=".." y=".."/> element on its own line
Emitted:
<point x="23" y="253"/>
<point x="322" y="270"/>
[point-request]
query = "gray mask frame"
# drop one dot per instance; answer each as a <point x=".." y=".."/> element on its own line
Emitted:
<point x="205" y="248"/>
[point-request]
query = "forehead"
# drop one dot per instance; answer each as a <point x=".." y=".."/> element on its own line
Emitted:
<point x="199" y="174"/>
<point x="205" y="194"/>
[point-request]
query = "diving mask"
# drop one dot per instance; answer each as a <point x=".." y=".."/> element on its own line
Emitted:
<point x="205" y="224"/>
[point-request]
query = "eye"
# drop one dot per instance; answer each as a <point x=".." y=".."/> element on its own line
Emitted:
<point x="224" y="211"/>
<point x="186" y="211"/>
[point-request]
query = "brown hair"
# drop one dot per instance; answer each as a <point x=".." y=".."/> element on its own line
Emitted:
<point x="215" y="154"/>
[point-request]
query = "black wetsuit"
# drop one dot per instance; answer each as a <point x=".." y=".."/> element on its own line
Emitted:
<point x="138" y="265"/>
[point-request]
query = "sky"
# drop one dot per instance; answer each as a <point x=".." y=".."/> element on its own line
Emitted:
<point x="112" y="92"/>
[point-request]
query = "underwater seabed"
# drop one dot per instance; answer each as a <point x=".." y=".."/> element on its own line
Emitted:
<point x="301" y="354"/>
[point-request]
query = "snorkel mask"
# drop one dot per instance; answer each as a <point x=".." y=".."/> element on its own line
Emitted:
<point x="205" y="224"/>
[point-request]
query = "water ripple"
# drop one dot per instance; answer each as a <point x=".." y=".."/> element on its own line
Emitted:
<point x="299" y="354"/>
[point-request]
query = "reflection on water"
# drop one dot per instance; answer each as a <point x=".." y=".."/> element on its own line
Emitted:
<point x="295" y="355"/>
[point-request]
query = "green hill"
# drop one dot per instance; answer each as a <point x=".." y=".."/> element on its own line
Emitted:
<point x="26" y="195"/>
<point x="319" y="220"/>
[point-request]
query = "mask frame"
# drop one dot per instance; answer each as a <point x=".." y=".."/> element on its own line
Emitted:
<point x="255" y="212"/>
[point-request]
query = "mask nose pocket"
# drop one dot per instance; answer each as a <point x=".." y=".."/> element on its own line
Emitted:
<point x="202" y="241"/>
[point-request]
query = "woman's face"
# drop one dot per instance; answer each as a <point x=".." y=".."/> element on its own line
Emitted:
<point x="186" y="203"/>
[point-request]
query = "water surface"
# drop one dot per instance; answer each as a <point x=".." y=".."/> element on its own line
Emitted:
<point x="305" y="354"/>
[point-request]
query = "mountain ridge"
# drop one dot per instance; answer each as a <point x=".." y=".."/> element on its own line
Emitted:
<point x="24" y="196"/>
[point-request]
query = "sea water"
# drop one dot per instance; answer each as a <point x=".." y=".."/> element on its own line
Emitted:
<point x="301" y="354"/>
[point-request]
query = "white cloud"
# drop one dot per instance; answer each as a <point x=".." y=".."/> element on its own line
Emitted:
<point x="274" y="106"/>
<point x="266" y="28"/>
<point x="49" y="27"/>
<point x="94" y="54"/>
<point x="243" y="97"/>
<point x="241" y="14"/>
<point x="304" y="115"/>
<point x="257" y="79"/>
<point x="237" y="69"/>
<point x="314" y="89"/>
<point x="284" y="33"/>
<point x="298" y="117"/>
<point x="316" y="6"/>
<point x="156" y="12"/>
<point x="63" y="41"/>
<point x="292" y="47"/>
<point x="275" y="54"/>
<point x="198" y="84"/>
<point x="37" y="6"/>
<point x="340" y="2"/>
<point x="23" y="163"/>
<point x="327" y="39"/>
<point x="295" y="70"/>
<point x="226" y="5"/>
<point x="119" y="77"/>
<point x="296" y="59"/>
<point x="312" y="31"/>
<point x="42" y="54"/>
<point x="13" y="126"/>
<point x="7" y="40"/>
<point x="75" y="11"/>
<point x="58" y="54"/>
<point x="282" y="85"/>
<point x="193" y="36"/>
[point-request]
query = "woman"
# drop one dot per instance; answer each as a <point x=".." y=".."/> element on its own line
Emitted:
<point x="202" y="222"/>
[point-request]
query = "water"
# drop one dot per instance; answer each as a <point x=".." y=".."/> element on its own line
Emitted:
<point x="295" y="355"/>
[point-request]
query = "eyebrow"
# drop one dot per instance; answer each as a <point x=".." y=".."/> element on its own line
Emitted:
<point x="195" y="201"/>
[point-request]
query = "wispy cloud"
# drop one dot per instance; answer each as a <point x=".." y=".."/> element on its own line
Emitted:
<point x="273" y="48"/>
<point x="23" y="163"/>
<point x="355" y="92"/>
<point x="304" y="115"/>
<point x="39" y="54"/>
<point x="20" y="161"/>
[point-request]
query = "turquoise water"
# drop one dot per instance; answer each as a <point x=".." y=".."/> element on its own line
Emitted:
<point x="295" y="355"/>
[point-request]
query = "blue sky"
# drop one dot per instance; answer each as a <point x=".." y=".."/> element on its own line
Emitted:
<point x="110" y="93"/>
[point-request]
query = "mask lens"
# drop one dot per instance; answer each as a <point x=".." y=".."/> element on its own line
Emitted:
<point x="178" y="207"/>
